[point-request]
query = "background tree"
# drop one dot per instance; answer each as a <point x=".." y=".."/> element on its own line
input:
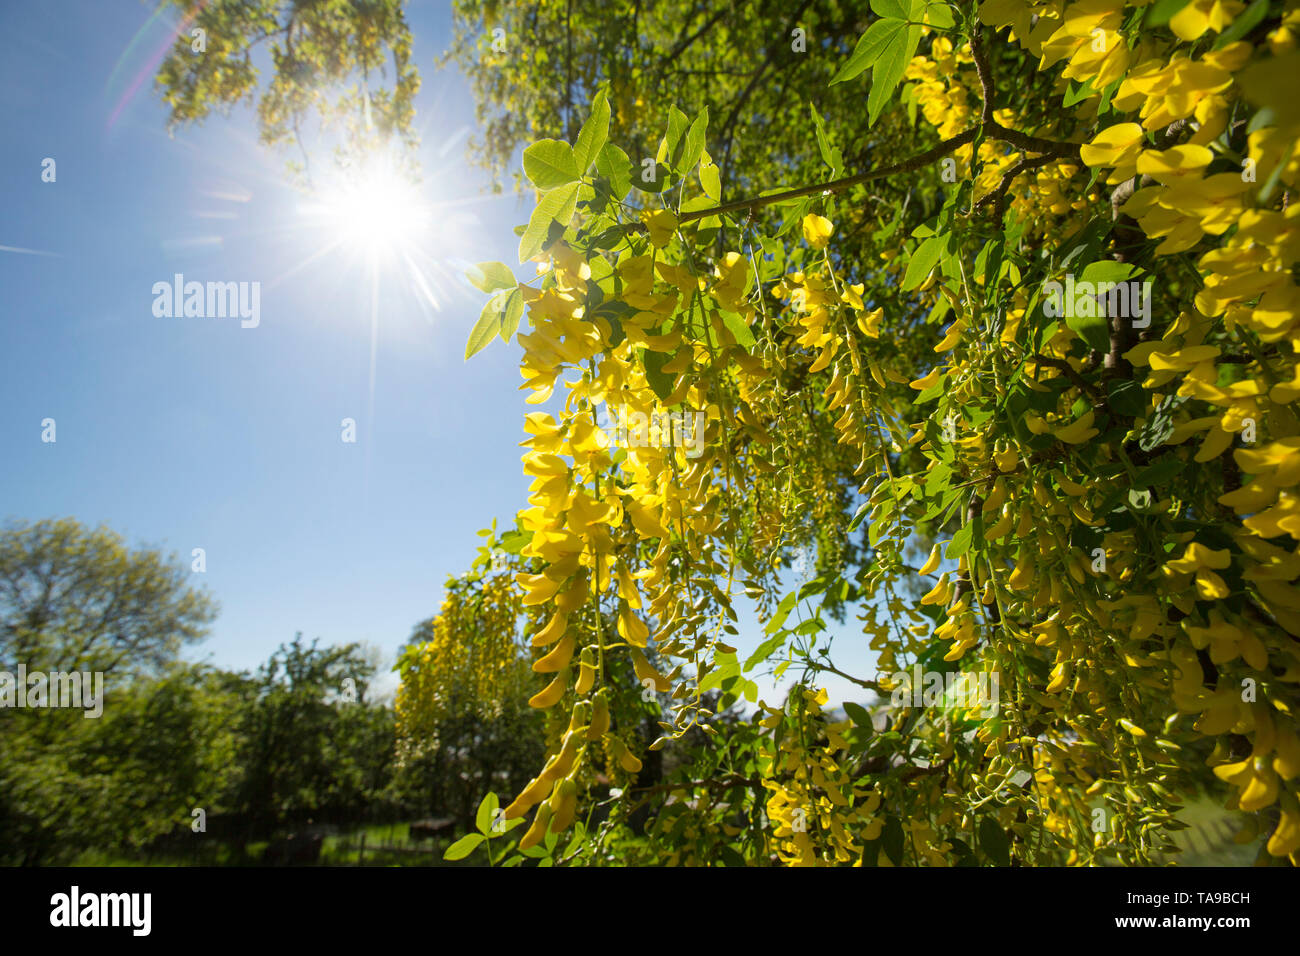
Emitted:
<point x="311" y="745"/>
<point x="72" y="598"/>
<point x="346" y="64"/>
<point x="163" y="746"/>
<point x="463" y="723"/>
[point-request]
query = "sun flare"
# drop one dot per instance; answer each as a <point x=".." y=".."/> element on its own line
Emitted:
<point x="377" y="210"/>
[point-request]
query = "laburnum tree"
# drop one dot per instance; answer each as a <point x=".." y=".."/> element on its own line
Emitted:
<point x="463" y="723"/>
<point x="1103" y="435"/>
<point x="1037" y="306"/>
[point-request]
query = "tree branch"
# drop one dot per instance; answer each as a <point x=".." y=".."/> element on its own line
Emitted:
<point x="999" y="195"/>
<point x="838" y="185"/>
<point x="1070" y="373"/>
<point x="984" y="72"/>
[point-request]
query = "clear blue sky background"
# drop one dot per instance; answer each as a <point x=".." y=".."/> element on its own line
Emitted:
<point x="189" y="432"/>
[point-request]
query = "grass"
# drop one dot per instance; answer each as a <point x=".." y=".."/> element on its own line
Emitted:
<point x="386" y="844"/>
<point x="1208" y="841"/>
<point x="1209" y="837"/>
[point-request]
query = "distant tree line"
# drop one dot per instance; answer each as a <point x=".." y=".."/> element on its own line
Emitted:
<point x="299" y="741"/>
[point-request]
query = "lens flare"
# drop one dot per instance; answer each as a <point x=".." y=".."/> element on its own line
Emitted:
<point x="377" y="210"/>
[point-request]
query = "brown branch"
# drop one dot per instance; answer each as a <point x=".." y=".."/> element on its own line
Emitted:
<point x="728" y="782"/>
<point x="999" y="195"/>
<point x="868" y="684"/>
<point x="1033" y="144"/>
<point x="837" y="185"/>
<point x="1049" y="148"/>
<point x="1070" y="373"/>
<point x="988" y="90"/>
<point x="984" y="72"/>
<point x="683" y="44"/>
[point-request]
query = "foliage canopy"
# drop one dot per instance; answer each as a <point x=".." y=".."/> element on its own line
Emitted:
<point x="888" y="299"/>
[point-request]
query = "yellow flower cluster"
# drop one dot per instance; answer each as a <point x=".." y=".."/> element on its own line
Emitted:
<point x="1125" y="621"/>
<point x="819" y="817"/>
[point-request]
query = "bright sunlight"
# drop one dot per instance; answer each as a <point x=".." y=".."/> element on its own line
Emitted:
<point x="377" y="210"/>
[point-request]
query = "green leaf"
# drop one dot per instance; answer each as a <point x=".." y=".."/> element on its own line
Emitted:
<point x="655" y="185"/>
<point x="889" y="68"/>
<point x="897" y="9"/>
<point x="463" y="847"/>
<point x="940" y="16"/>
<point x="831" y="155"/>
<point x="677" y="125"/>
<point x="1107" y="270"/>
<point x="549" y="163"/>
<point x="809" y="588"/>
<point x="726" y="666"/>
<point x="613" y="164"/>
<point x="730" y="857"/>
<point x="923" y="261"/>
<point x="861" y="513"/>
<point x="737" y="327"/>
<point x="1158" y="475"/>
<point x="765" y="650"/>
<point x="960" y="543"/>
<point x="993" y="841"/>
<point x="490" y="276"/>
<point x="512" y="542"/>
<point x="579" y="834"/>
<point x="870" y="45"/>
<point x="891" y="840"/>
<point x="1127" y="397"/>
<point x="1095" y="329"/>
<point x="488" y="325"/>
<point x="711" y="179"/>
<point x="858" y="714"/>
<point x="661" y="381"/>
<point x="782" y="612"/>
<point x="556" y="205"/>
<point x="487" y="808"/>
<point x="694" y="144"/>
<point x="511" y="315"/>
<point x="878" y="529"/>
<point x="1076" y="94"/>
<point x="871" y="852"/>
<point x="594" y="132"/>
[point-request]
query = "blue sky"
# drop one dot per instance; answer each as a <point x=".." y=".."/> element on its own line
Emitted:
<point x="195" y="432"/>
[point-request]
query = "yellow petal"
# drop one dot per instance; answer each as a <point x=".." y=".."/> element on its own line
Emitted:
<point x="921" y="384"/>
<point x="817" y="230"/>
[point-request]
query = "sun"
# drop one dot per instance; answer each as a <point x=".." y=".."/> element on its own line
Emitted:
<point x="404" y="234"/>
<point x="377" y="210"/>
